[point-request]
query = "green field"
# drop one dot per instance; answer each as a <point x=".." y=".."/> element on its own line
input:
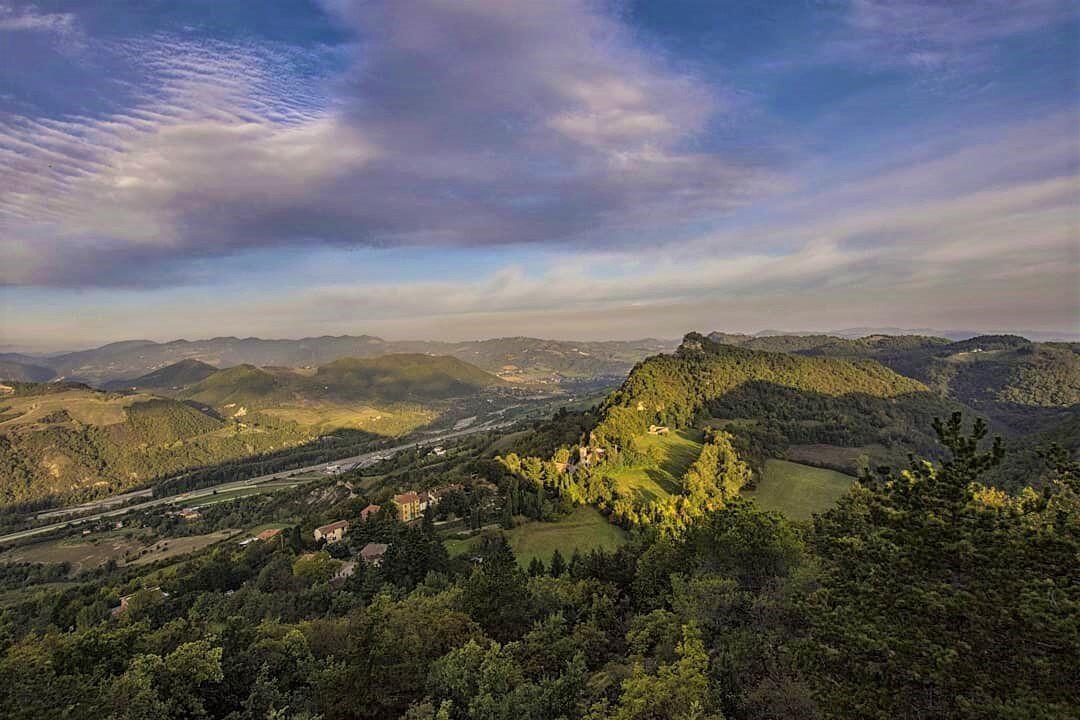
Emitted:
<point x="676" y="451"/>
<point x="798" y="491"/>
<point x="584" y="529"/>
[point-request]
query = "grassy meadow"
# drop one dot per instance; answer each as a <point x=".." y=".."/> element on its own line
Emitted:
<point x="584" y="529"/>
<point x="798" y="491"/>
<point x="675" y="452"/>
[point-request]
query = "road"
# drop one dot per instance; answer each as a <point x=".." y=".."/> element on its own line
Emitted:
<point x="358" y="461"/>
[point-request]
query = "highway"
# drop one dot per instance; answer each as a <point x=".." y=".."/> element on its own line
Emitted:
<point x="357" y="461"/>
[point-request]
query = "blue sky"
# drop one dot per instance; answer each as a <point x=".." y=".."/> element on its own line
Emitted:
<point x="475" y="168"/>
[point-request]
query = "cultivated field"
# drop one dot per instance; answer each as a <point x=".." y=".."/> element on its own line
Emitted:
<point x="125" y="547"/>
<point x="675" y="453"/>
<point x="798" y="491"/>
<point x="332" y="416"/>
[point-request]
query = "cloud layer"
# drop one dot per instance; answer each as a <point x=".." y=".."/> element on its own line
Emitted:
<point x="463" y="123"/>
<point x="456" y="168"/>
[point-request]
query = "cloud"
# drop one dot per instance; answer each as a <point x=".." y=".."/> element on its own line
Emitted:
<point x="941" y="38"/>
<point x="456" y="123"/>
<point x="30" y="19"/>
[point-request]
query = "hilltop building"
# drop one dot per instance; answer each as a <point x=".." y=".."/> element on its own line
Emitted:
<point x="332" y="533"/>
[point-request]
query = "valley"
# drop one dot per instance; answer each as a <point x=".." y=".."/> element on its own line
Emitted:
<point x="717" y="481"/>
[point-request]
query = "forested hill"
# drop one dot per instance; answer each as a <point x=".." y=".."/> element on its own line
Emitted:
<point x="515" y="358"/>
<point x="170" y="377"/>
<point x="709" y="377"/>
<point x="69" y="442"/>
<point x="24" y="372"/>
<point x="387" y="379"/>
<point x="1024" y="385"/>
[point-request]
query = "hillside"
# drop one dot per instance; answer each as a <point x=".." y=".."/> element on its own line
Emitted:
<point x="24" y="372"/>
<point x="401" y="378"/>
<point x="772" y="400"/>
<point x="387" y="379"/>
<point x="1026" y="386"/>
<point x="68" y="442"/>
<point x="516" y="358"/>
<point x="244" y="385"/>
<point x="171" y="377"/>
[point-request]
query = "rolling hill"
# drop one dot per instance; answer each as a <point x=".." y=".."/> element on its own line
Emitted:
<point x="1025" y="386"/>
<point x="404" y="378"/>
<point x="65" y="441"/>
<point x="171" y="377"/>
<point x="24" y="372"/>
<point x="773" y="400"/>
<point x="515" y="358"/>
<point x="68" y="442"/>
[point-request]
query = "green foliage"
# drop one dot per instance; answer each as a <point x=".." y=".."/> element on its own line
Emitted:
<point x="936" y="603"/>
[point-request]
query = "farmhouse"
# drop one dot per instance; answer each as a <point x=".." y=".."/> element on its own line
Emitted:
<point x="270" y="534"/>
<point x="658" y="430"/>
<point x="332" y="533"/>
<point x="190" y="514"/>
<point x="369" y="511"/>
<point x="408" y="506"/>
<point x="373" y="553"/>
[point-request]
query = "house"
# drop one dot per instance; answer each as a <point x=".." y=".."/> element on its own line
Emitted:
<point x="190" y="514"/>
<point x="408" y="506"/>
<point x="347" y="569"/>
<point x="332" y="469"/>
<point x="267" y="535"/>
<point x="369" y="511"/>
<point x="373" y="553"/>
<point x="658" y="430"/>
<point x="332" y="533"/>
<point x="439" y="451"/>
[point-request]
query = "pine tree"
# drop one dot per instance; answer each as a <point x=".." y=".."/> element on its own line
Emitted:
<point x="558" y="564"/>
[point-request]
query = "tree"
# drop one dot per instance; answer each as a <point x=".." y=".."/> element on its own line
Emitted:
<point x="536" y="567"/>
<point x="496" y="593"/>
<point x="678" y="691"/>
<point x="558" y="564"/>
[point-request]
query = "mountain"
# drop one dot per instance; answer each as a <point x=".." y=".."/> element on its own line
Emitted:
<point x="244" y="385"/>
<point x="774" y="400"/>
<point x="170" y="377"/>
<point x="68" y="442"/>
<point x="401" y="378"/>
<point x="515" y="359"/>
<point x="386" y="379"/>
<point x="24" y="372"/>
<point x="1027" y="386"/>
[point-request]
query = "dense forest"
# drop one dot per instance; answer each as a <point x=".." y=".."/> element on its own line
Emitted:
<point x="923" y="594"/>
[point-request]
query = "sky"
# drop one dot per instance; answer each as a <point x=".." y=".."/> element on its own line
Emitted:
<point x="453" y="169"/>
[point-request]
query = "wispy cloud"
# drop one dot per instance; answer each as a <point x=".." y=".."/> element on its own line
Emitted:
<point x="29" y="19"/>
<point x="943" y="37"/>
<point x="458" y="124"/>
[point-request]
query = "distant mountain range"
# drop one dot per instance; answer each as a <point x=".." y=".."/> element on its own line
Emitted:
<point x="516" y="359"/>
